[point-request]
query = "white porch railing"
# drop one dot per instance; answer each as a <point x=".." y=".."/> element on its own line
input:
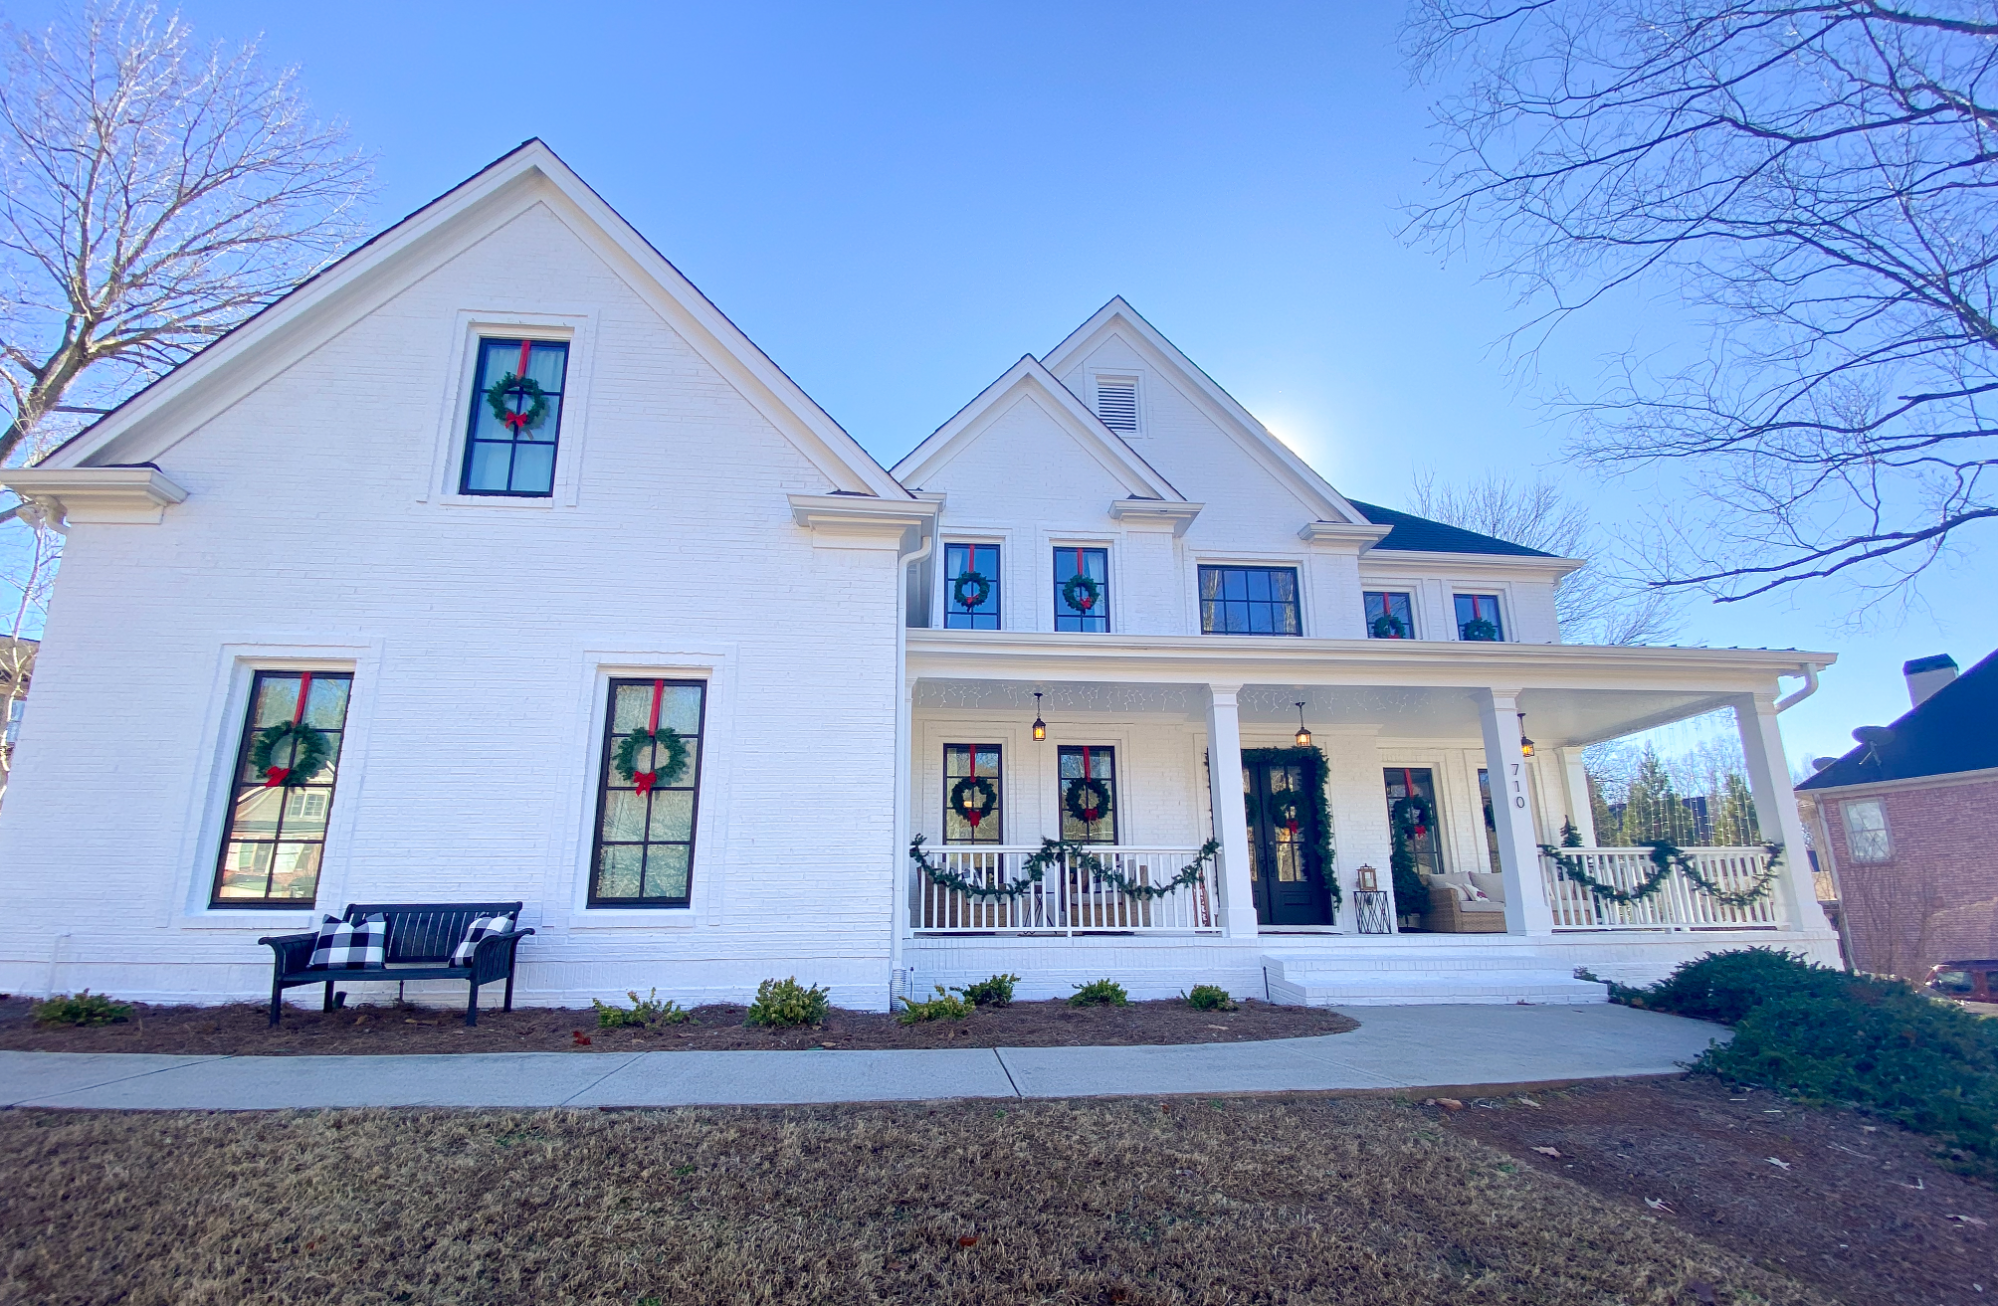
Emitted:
<point x="1068" y="900"/>
<point x="1678" y="904"/>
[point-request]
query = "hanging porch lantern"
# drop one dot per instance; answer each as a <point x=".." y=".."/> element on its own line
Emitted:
<point x="1525" y="744"/>
<point x="1040" y="726"/>
<point x="1303" y="735"/>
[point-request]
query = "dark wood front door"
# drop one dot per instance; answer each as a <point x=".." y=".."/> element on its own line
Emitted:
<point x="1283" y="839"/>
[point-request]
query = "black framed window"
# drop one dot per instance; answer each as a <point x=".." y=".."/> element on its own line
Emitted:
<point x="1412" y="824"/>
<point x="971" y="586"/>
<point x="275" y="840"/>
<point x="1478" y="618"/>
<point x="1249" y="601"/>
<point x="1082" y="589"/>
<point x="516" y="415"/>
<point x="1088" y="797"/>
<point x="1390" y="615"/>
<point x="965" y="765"/>
<point x="644" y="855"/>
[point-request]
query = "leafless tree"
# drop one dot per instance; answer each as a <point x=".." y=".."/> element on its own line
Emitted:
<point x="1596" y="605"/>
<point x="1815" y="177"/>
<point x="153" y="194"/>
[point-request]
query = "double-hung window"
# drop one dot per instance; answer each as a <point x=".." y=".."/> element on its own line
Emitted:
<point x="1082" y="589"/>
<point x="516" y="416"/>
<point x="1249" y="601"/>
<point x="1390" y="615"/>
<point x="974" y="794"/>
<point x="971" y="586"/>
<point x="1866" y="830"/>
<point x="648" y="786"/>
<point x="1088" y="778"/>
<point x="286" y="764"/>
<point x="1478" y="618"/>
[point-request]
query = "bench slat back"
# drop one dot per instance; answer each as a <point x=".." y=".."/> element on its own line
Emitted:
<point x="428" y="931"/>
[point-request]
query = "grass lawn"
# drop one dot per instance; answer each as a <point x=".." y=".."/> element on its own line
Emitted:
<point x="1234" y="1200"/>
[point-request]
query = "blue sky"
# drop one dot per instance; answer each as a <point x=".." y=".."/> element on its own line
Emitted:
<point x="897" y="201"/>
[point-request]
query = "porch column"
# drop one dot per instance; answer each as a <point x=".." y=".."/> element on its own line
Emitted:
<point x="1776" y="814"/>
<point x="1231" y="818"/>
<point x="1512" y="813"/>
<point x="1576" y="781"/>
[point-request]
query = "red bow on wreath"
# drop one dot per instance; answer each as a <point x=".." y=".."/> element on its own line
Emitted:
<point x="516" y="422"/>
<point x="275" y="776"/>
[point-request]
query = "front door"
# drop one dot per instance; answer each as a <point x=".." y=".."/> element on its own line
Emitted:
<point x="1284" y="858"/>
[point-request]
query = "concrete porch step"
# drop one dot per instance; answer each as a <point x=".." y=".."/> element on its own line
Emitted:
<point x="1401" y="980"/>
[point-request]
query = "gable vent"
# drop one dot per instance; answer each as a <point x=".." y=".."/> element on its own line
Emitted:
<point x="1117" y="405"/>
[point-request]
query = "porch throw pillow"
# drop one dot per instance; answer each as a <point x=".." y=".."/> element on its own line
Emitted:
<point x="478" y="929"/>
<point x="350" y="945"/>
<point x="1472" y="893"/>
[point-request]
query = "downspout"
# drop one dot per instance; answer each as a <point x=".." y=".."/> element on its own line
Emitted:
<point x="1789" y="701"/>
<point x="898" y="895"/>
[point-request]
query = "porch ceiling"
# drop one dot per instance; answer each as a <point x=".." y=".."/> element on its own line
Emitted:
<point x="1555" y="717"/>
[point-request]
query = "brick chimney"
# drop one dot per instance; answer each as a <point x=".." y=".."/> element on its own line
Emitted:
<point x="1927" y="675"/>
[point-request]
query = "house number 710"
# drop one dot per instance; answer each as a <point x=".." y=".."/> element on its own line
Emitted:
<point x="1518" y="797"/>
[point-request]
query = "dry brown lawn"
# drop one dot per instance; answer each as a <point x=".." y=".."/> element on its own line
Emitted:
<point x="1235" y="1201"/>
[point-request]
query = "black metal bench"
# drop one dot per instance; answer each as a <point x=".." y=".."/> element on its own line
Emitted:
<point x="421" y="938"/>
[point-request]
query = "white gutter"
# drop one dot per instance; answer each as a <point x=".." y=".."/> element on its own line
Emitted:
<point x="897" y="895"/>
<point x="1789" y="701"/>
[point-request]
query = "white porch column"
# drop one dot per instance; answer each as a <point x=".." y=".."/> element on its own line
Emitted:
<point x="1575" y="778"/>
<point x="1776" y="812"/>
<point x="1512" y="813"/>
<point x="1231" y="818"/>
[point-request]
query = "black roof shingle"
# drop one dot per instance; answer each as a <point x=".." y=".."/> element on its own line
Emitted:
<point x="1421" y="535"/>
<point x="1954" y="729"/>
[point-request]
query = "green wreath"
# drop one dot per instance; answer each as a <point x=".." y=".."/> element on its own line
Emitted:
<point x="1081" y="592"/>
<point x="1082" y="810"/>
<point x="500" y="392"/>
<point x="964" y="788"/>
<point x="1389" y="626"/>
<point x="1412" y="816"/>
<point x="971" y="582"/>
<point x="309" y="750"/>
<point x="1479" y="630"/>
<point x="626" y="758"/>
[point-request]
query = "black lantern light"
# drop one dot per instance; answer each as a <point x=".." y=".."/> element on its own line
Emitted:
<point x="1040" y="726"/>
<point x="1525" y="744"/>
<point x="1303" y="735"/>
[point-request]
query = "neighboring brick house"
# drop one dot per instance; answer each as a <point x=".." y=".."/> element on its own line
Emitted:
<point x="1907" y="825"/>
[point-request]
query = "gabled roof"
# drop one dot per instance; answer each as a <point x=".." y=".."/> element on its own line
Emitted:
<point x="1029" y="378"/>
<point x="1120" y="319"/>
<point x="1954" y="729"/>
<point x="159" y="415"/>
<point x="1414" y="534"/>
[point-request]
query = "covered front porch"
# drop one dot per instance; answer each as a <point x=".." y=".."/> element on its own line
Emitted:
<point x="1195" y="845"/>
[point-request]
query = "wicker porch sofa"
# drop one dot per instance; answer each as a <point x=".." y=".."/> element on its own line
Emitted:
<point x="1448" y="912"/>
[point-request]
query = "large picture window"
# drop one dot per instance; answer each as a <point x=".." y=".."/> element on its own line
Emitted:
<point x="1088" y="793"/>
<point x="647" y="793"/>
<point x="971" y="586"/>
<point x="286" y="764"/>
<point x="1248" y="601"/>
<point x="974" y="794"/>
<point x="1082" y="589"/>
<point x="1390" y="615"/>
<point x="516" y="415"/>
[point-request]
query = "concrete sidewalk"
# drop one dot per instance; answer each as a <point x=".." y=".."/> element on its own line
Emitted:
<point x="1395" y="1047"/>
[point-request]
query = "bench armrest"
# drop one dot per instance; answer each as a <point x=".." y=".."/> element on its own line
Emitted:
<point x="493" y="957"/>
<point x="294" y="951"/>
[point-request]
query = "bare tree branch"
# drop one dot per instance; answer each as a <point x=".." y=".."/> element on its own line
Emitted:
<point x="1818" y="179"/>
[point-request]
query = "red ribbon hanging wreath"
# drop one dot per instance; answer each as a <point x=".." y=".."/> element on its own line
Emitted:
<point x="275" y="776"/>
<point x="517" y="422"/>
<point x="646" y="779"/>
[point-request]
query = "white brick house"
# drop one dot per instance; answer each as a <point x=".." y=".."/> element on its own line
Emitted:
<point x="330" y="501"/>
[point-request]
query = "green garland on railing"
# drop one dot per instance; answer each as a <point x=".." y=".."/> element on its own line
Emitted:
<point x="1666" y="858"/>
<point x="1036" y="866"/>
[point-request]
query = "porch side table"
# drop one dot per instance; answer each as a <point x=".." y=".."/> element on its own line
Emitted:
<point x="1372" y="906"/>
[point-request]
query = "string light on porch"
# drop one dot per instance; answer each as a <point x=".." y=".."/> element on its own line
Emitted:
<point x="1525" y="744"/>
<point x="1040" y="726"/>
<point x="1303" y="735"/>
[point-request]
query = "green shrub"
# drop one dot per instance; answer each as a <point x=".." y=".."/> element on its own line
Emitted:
<point x="946" y="1005"/>
<point x="994" y="992"/>
<point x="84" y="1008"/>
<point x="1099" y="993"/>
<point x="782" y="1004"/>
<point x="641" y="1012"/>
<point x="1726" y="986"/>
<point x="1209" y="997"/>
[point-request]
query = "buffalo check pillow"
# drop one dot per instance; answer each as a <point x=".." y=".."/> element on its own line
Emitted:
<point x="479" y="929"/>
<point x="350" y="945"/>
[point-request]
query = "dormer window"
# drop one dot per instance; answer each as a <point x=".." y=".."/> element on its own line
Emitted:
<point x="516" y="413"/>
<point x="1117" y="403"/>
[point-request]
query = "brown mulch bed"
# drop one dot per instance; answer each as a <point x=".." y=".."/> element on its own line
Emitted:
<point x="1859" y="1208"/>
<point x="1141" y="1202"/>
<point x="242" y="1029"/>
